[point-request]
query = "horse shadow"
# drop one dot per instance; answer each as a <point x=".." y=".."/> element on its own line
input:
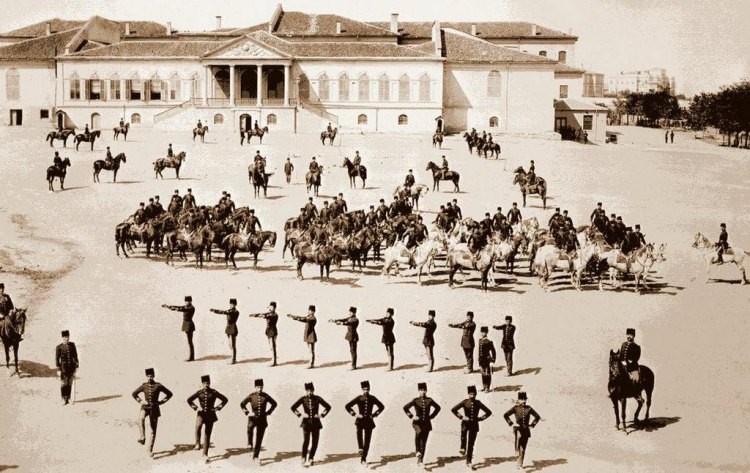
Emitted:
<point x="492" y="461"/>
<point x="351" y="282"/>
<point x="385" y="460"/>
<point x="100" y="398"/>
<point x="254" y="360"/>
<point x="33" y="369"/>
<point x="274" y="197"/>
<point x="450" y="368"/>
<point x="538" y="465"/>
<point x="123" y="182"/>
<point x="281" y="456"/>
<point x="535" y="371"/>
<point x="178" y="448"/>
<point x="507" y="388"/>
<point x="654" y="423"/>
<point x="412" y="366"/>
<point x="373" y="365"/>
<point x="332" y="364"/>
<point x="294" y="362"/>
<point x="213" y="358"/>
<point x="72" y="188"/>
<point x="442" y="461"/>
<point x="337" y="457"/>
<point x="265" y="269"/>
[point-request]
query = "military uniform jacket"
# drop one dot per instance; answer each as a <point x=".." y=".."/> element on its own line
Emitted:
<point x="6" y="305"/>
<point x="630" y="353"/>
<point x="151" y="396"/>
<point x="429" y="332"/>
<point x="409" y="180"/>
<point x="522" y="413"/>
<point x="311" y="407"/>
<point x="486" y="351"/>
<point x="724" y="239"/>
<point x="471" y="413"/>
<point x="387" y="323"/>
<point x="188" y="201"/>
<point x="258" y="412"/>
<point x="206" y="399"/>
<point x="272" y="318"/>
<point x="309" y="334"/>
<point x="457" y="211"/>
<point x="351" y="333"/>
<point x="514" y="215"/>
<point x="365" y="405"/>
<point x="425" y="409"/>
<point x="509" y="330"/>
<point x="187" y="316"/>
<point x="467" y="338"/>
<point x="66" y="358"/>
<point x="288" y="168"/>
<point x="232" y="316"/>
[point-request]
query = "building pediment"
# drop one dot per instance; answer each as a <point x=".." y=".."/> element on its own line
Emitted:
<point x="245" y="48"/>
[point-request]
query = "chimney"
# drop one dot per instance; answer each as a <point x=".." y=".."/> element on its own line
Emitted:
<point x="338" y="27"/>
<point x="473" y="29"/>
<point x="48" y="29"/>
<point x="394" y="23"/>
<point x="437" y="39"/>
<point x="218" y="22"/>
<point x="127" y="28"/>
<point x="533" y="30"/>
<point x="169" y="28"/>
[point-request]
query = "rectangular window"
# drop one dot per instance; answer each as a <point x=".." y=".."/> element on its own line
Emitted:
<point x="588" y="122"/>
<point x="75" y="89"/>
<point x="95" y="89"/>
<point x="563" y="91"/>
<point x="384" y="90"/>
<point x="155" y="89"/>
<point x="136" y="86"/>
<point x="44" y="114"/>
<point x="114" y="89"/>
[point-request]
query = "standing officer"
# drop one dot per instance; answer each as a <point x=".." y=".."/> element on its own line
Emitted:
<point x="288" y="168"/>
<point x="311" y="425"/>
<point x="425" y="409"/>
<point x="467" y="339"/>
<point x="514" y="214"/>
<point x="6" y="304"/>
<point x="507" y="343"/>
<point x="150" y="406"/>
<point x="630" y="353"/>
<point x="257" y="416"/>
<point x="309" y="335"/>
<point x="365" y="418"/>
<point x="522" y="430"/>
<point x="485" y="357"/>
<point x="352" y="322"/>
<point x="470" y="418"/>
<point x="272" y="318"/>
<point x="232" y="315"/>
<point x="429" y="336"/>
<point x="388" y="338"/>
<point x="188" y="311"/>
<point x="206" y="397"/>
<point x="66" y="360"/>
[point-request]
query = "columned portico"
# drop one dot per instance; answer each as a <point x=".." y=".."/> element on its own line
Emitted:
<point x="260" y="85"/>
<point x="286" y="84"/>
<point x="231" y="86"/>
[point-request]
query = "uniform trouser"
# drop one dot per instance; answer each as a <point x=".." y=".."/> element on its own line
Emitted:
<point x="190" y="345"/>
<point x="363" y="441"/>
<point x="209" y="424"/>
<point x="257" y="442"/>
<point x="430" y="356"/>
<point x="353" y="352"/>
<point x="486" y="371"/>
<point x="272" y="343"/>
<point x="153" y="422"/>
<point x="420" y="441"/>
<point x="66" y="385"/>
<point x="509" y="361"/>
<point x="468" y="438"/>
<point x="310" y="439"/>
<point x="469" y="354"/>
<point x="289" y="178"/>
<point x="232" y="339"/>
<point x="521" y="442"/>
<point x="312" y="353"/>
<point x="389" y="351"/>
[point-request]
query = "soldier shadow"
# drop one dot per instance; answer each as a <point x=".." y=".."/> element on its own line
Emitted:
<point x="538" y="465"/>
<point x="654" y="424"/>
<point x="351" y="282"/>
<point x="412" y="366"/>
<point x="507" y="388"/>
<point x="123" y="182"/>
<point x="294" y="362"/>
<point x="178" y="448"/>
<point x="281" y="456"/>
<point x="32" y="369"/>
<point x="337" y="457"/>
<point x="373" y="365"/>
<point x="213" y="358"/>
<point x="450" y="368"/>
<point x="232" y="452"/>
<point x="492" y="461"/>
<point x="100" y="398"/>
<point x="332" y="364"/>
<point x="254" y="360"/>
<point x="528" y="371"/>
<point x="385" y="460"/>
<point x="441" y="462"/>
<point x="8" y="467"/>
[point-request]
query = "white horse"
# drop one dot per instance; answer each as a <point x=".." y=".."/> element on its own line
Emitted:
<point x="732" y="255"/>
<point x="422" y="255"/>
<point x="549" y="258"/>
<point x="638" y="263"/>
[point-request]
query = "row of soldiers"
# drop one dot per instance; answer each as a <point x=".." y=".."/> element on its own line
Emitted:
<point x="615" y="232"/>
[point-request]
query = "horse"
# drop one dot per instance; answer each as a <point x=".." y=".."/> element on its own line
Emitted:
<point x="437" y="176"/>
<point x="200" y="132"/>
<point x="173" y="162"/>
<point x="80" y="138"/>
<point x="549" y="258"/>
<point x="258" y="177"/>
<point x="621" y="387"/>
<point x="354" y="172"/>
<point x="252" y="243"/>
<point x="113" y="165"/>
<point x="122" y="238"/>
<point x="322" y="255"/>
<point x="732" y="255"/>
<point x="312" y="179"/>
<point x="59" y="135"/>
<point x="421" y="256"/>
<point x="460" y="257"/>
<point x="415" y="192"/>
<point x="540" y="187"/>
<point x="122" y="130"/>
<point x="331" y="135"/>
<point x="493" y="148"/>
<point x="196" y="241"/>
<point x="437" y="140"/>
<point x="638" y="262"/>
<point x="11" y="331"/>
<point x="59" y="172"/>
<point x="469" y="141"/>
<point x="259" y="132"/>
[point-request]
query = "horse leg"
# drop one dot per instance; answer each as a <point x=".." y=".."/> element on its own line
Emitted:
<point x="231" y="256"/>
<point x="15" y="356"/>
<point x="639" y="399"/>
<point x="623" y="405"/>
<point x="177" y="170"/>
<point x="7" y="353"/>
<point x="617" y="413"/>
<point x="524" y="198"/>
<point x="114" y="179"/>
<point x="62" y="183"/>
<point x="255" y="259"/>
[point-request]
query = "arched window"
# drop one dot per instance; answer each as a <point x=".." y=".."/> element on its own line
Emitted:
<point x="494" y="84"/>
<point x="384" y="88"/>
<point x="196" y="85"/>
<point x="362" y="119"/>
<point x="343" y="87"/>
<point x="323" y="87"/>
<point x="218" y="119"/>
<point x="271" y="119"/>
<point x="364" y="88"/>
<point x="12" y="85"/>
<point x="403" y="88"/>
<point x="94" y="89"/>
<point x="135" y="119"/>
<point x="562" y="56"/>
<point x="134" y="88"/>
<point x="543" y="53"/>
<point x="493" y="122"/>
<point x="303" y="87"/>
<point x="403" y="120"/>
<point x="75" y="87"/>
<point x="114" y="87"/>
<point x="174" y="86"/>
<point x="424" y="88"/>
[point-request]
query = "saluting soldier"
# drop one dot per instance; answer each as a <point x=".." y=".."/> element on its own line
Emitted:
<point x="206" y="410"/>
<point x="507" y="343"/>
<point x="188" y="201"/>
<point x="272" y="318"/>
<point x="308" y="335"/>
<point x="188" y="311"/>
<point x="429" y="336"/>
<point x="474" y="411"/>
<point x="364" y="418"/>
<point x="467" y="339"/>
<point x="522" y="429"/>
<point x="311" y="425"/>
<point x="351" y="322"/>
<point x="485" y="357"/>
<point x="262" y="405"/>
<point x="66" y="360"/>
<point x="425" y="409"/>
<point x="150" y="407"/>
<point x="630" y="353"/>
<point x="232" y="315"/>
<point x="6" y="303"/>
<point x="514" y="214"/>
<point x="388" y="339"/>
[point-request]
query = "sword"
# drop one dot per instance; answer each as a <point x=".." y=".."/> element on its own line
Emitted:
<point x="73" y="390"/>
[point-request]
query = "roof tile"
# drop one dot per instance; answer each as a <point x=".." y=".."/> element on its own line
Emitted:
<point x="46" y="47"/>
<point x="464" y="48"/>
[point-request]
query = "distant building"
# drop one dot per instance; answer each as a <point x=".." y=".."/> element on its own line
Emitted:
<point x="651" y="80"/>
<point x="593" y="84"/>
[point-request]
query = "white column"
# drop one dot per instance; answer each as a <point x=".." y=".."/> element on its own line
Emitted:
<point x="260" y="85"/>
<point x="231" y="86"/>
<point x="205" y="86"/>
<point x="286" y="84"/>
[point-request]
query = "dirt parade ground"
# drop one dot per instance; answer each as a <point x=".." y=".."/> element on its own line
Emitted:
<point x="58" y="260"/>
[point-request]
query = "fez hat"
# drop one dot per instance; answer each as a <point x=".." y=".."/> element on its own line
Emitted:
<point x="258" y="383"/>
<point x="372" y="206"/>
<point x="410" y="170"/>
<point x="188" y="298"/>
<point x="557" y="209"/>
<point x="150" y="199"/>
<point x="309" y="387"/>
<point x="486" y="214"/>
<point x="65" y="333"/>
<point x="471" y="389"/>
<point x="431" y="312"/>
<point x="150" y="372"/>
<point x="365" y="384"/>
<point x="176" y="191"/>
<point x="484" y="329"/>
<point x="723" y="225"/>
<point x="156" y="197"/>
<point x="353" y="310"/>
<point x="273" y="304"/>
<point x="233" y="301"/>
<point x="599" y="204"/>
<point x="2" y="285"/>
<point x="382" y="200"/>
<point x="252" y="211"/>
<point x="509" y="318"/>
<point x="522" y="395"/>
<point x="499" y="208"/>
<point x="628" y="229"/>
<point x="141" y="204"/>
<point x="470" y="313"/>
<point x="311" y="307"/>
<point x="190" y="190"/>
<point x="630" y="331"/>
<point x="422" y="386"/>
<point x="514" y="203"/>
<point x="637" y="226"/>
<point x="205" y="378"/>
<point x="389" y="310"/>
<point x="565" y="211"/>
<point x="310" y="199"/>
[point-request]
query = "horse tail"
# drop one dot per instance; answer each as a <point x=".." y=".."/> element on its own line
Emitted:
<point x="225" y="242"/>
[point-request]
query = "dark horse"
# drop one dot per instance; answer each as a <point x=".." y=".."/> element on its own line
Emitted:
<point x="113" y="165"/>
<point x="322" y="255"/>
<point x="437" y="176"/>
<point x="354" y="172"/>
<point x="437" y="140"/>
<point x="173" y="162"/>
<point x="11" y="331"/>
<point x="312" y="179"/>
<point x="258" y="178"/>
<point x="469" y="141"/>
<point x="80" y="138"/>
<point x="621" y="388"/>
<point x="59" y="135"/>
<point x="252" y="243"/>
<point x="122" y="130"/>
<point x="539" y="187"/>
<point x="200" y="132"/>
<point x="331" y="135"/>
<point x="259" y="132"/>
<point x="58" y="171"/>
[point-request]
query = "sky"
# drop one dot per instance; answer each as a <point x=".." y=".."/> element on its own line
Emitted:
<point x="703" y="44"/>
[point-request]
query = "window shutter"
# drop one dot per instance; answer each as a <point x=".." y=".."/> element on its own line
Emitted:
<point x="87" y="84"/>
<point x="103" y="89"/>
<point x="146" y="90"/>
<point x="128" y="84"/>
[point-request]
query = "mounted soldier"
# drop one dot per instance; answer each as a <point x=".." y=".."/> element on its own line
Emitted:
<point x="188" y="201"/>
<point x="199" y="125"/>
<point x="444" y="168"/>
<point x="170" y="152"/>
<point x="139" y="216"/>
<point x="630" y="353"/>
<point x="409" y="181"/>
<point x="122" y="122"/>
<point x="109" y="159"/>
<point x="723" y="244"/>
<point x="357" y="161"/>
<point x="498" y="219"/>
<point x="329" y="128"/>
<point x="57" y="160"/>
<point x="311" y="211"/>
<point x="86" y="132"/>
<point x="382" y="211"/>
<point x="572" y="246"/>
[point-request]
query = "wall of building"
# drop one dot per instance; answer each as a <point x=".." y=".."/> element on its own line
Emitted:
<point x="575" y="119"/>
<point x="575" y="86"/>
<point x="36" y="93"/>
<point x="553" y="49"/>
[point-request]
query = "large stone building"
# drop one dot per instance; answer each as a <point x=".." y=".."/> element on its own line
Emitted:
<point x="296" y="72"/>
